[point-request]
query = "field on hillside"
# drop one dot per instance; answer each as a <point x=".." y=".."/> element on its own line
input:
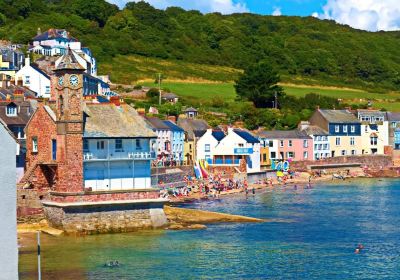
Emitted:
<point x="128" y="69"/>
<point x="206" y="91"/>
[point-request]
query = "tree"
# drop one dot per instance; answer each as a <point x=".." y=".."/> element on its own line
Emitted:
<point x="259" y="84"/>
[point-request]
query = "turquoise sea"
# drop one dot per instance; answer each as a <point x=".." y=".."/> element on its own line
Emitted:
<point x="312" y="235"/>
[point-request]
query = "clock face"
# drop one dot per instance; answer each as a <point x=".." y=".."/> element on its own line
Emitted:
<point x="74" y="80"/>
<point x="60" y="81"/>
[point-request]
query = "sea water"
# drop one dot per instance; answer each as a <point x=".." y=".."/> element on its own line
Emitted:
<point x="310" y="234"/>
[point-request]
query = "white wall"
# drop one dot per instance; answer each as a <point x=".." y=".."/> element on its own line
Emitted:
<point x="8" y="211"/>
<point x="37" y="81"/>
<point x="207" y="138"/>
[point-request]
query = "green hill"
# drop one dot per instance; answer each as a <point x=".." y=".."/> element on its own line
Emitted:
<point x="305" y="50"/>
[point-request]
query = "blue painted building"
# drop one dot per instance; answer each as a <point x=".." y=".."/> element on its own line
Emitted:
<point x="177" y="141"/>
<point x="118" y="147"/>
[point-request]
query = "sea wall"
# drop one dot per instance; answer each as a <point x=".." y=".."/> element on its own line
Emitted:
<point x="170" y="175"/>
<point x="371" y="161"/>
<point x="95" y="219"/>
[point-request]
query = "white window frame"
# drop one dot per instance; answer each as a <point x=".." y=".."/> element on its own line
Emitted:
<point x="207" y="148"/>
<point x="305" y="155"/>
<point x="352" y="141"/>
<point x="352" y="128"/>
<point x="337" y="141"/>
<point x="281" y="143"/>
<point x="11" y="111"/>
<point x="100" y="145"/>
<point x="337" y="128"/>
<point x="35" y="147"/>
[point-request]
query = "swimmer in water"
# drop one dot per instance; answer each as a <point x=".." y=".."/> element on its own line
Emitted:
<point x="360" y="246"/>
<point x="357" y="251"/>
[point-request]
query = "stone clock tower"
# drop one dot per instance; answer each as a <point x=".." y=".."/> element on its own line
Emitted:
<point x="67" y="86"/>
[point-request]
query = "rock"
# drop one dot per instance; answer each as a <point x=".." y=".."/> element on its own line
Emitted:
<point x="192" y="216"/>
<point x="197" y="226"/>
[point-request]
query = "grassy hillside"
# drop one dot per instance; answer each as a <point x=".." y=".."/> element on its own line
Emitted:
<point x="312" y="50"/>
<point x="130" y="68"/>
<point x="203" y="92"/>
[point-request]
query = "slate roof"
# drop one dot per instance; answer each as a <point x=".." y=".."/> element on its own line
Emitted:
<point x="110" y="121"/>
<point x="40" y="71"/>
<point x="69" y="62"/>
<point x="156" y="123"/>
<point x="191" y="109"/>
<point x="283" y="134"/>
<point x="199" y="133"/>
<point x="53" y="34"/>
<point x="23" y="116"/>
<point x="193" y="127"/>
<point x="339" y="116"/>
<point x="169" y="95"/>
<point x="173" y="126"/>
<point x="218" y="134"/>
<point x="12" y="89"/>
<point x="315" y="130"/>
<point x="393" y="117"/>
<point x="246" y="136"/>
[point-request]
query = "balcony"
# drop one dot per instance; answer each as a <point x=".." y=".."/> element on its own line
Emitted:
<point x="89" y="156"/>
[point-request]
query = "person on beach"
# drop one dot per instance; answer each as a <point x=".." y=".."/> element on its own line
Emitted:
<point x="254" y="191"/>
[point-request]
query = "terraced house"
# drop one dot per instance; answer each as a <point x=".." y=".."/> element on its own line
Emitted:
<point x="229" y="150"/>
<point x="374" y="131"/>
<point x="344" y="131"/>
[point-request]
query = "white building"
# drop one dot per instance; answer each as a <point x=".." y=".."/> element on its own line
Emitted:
<point x="220" y="149"/>
<point x="8" y="206"/>
<point x="374" y="131"/>
<point x="34" y="78"/>
<point x="320" y="139"/>
<point x="55" y="42"/>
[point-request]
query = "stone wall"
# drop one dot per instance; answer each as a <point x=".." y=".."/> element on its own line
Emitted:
<point x="170" y="175"/>
<point x="371" y="161"/>
<point x="96" y="219"/>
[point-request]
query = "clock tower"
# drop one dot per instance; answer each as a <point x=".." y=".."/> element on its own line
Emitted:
<point x="67" y="86"/>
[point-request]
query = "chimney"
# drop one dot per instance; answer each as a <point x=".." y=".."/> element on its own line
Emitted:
<point x="27" y="60"/>
<point x="172" y="119"/>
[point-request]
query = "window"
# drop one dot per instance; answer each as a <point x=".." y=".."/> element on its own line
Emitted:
<point x="305" y="155"/>
<point x="100" y="145"/>
<point x="271" y="143"/>
<point x="207" y="147"/>
<point x="138" y="144"/>
<point x="11" y="110"/>
<point x="337" y="141"/>
<point x="366" y="128"/>
<point x="336" y="128"/>
<point x="326" y="146"/>
<point x="281" y="143"/>
<point x="85" y="145"/>
<point x="34" y="144"/>
<point x="317" y="138"/>
<point x="290" y="155"/>
<point x="47" y="89"/>
<point x="394" y="124"/>
<point x="315" y="146"/>
<point x="345" y="128"/>
<point x="118" y="145"/>
<point x="241" y="145"/>
<point x="352" y="140"/>
<point x="27" y="80"/>
<point x="264" y="157"/>
<point x="305" y="143"/>
<point x="343" y="152"/>
<point x="353" y="152"/>
<point x="352" y="128"/>
<point x="290" y="143"/>
<point x="374" y="140"/>
<point x="319" y="146"/>
<point x="273" y="155"/>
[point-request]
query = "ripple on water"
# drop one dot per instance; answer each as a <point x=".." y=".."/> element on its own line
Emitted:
<point x="312" y="235"/>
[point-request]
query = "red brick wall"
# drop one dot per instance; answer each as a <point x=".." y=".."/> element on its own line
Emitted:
<point x="111" y="196"/>
<point x="372" y="161"/>
<point x="43" y="127"/>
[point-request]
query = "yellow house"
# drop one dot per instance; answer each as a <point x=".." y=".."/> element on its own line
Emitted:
<point x="5" y="68"/>
<point x="264" y="156"/>
<point x="344" y="131"/>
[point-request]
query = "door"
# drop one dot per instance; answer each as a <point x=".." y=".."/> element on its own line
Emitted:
<point x="54" y="149"/>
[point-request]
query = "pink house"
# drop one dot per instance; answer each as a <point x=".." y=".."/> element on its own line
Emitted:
<point x="291" y="144"/>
